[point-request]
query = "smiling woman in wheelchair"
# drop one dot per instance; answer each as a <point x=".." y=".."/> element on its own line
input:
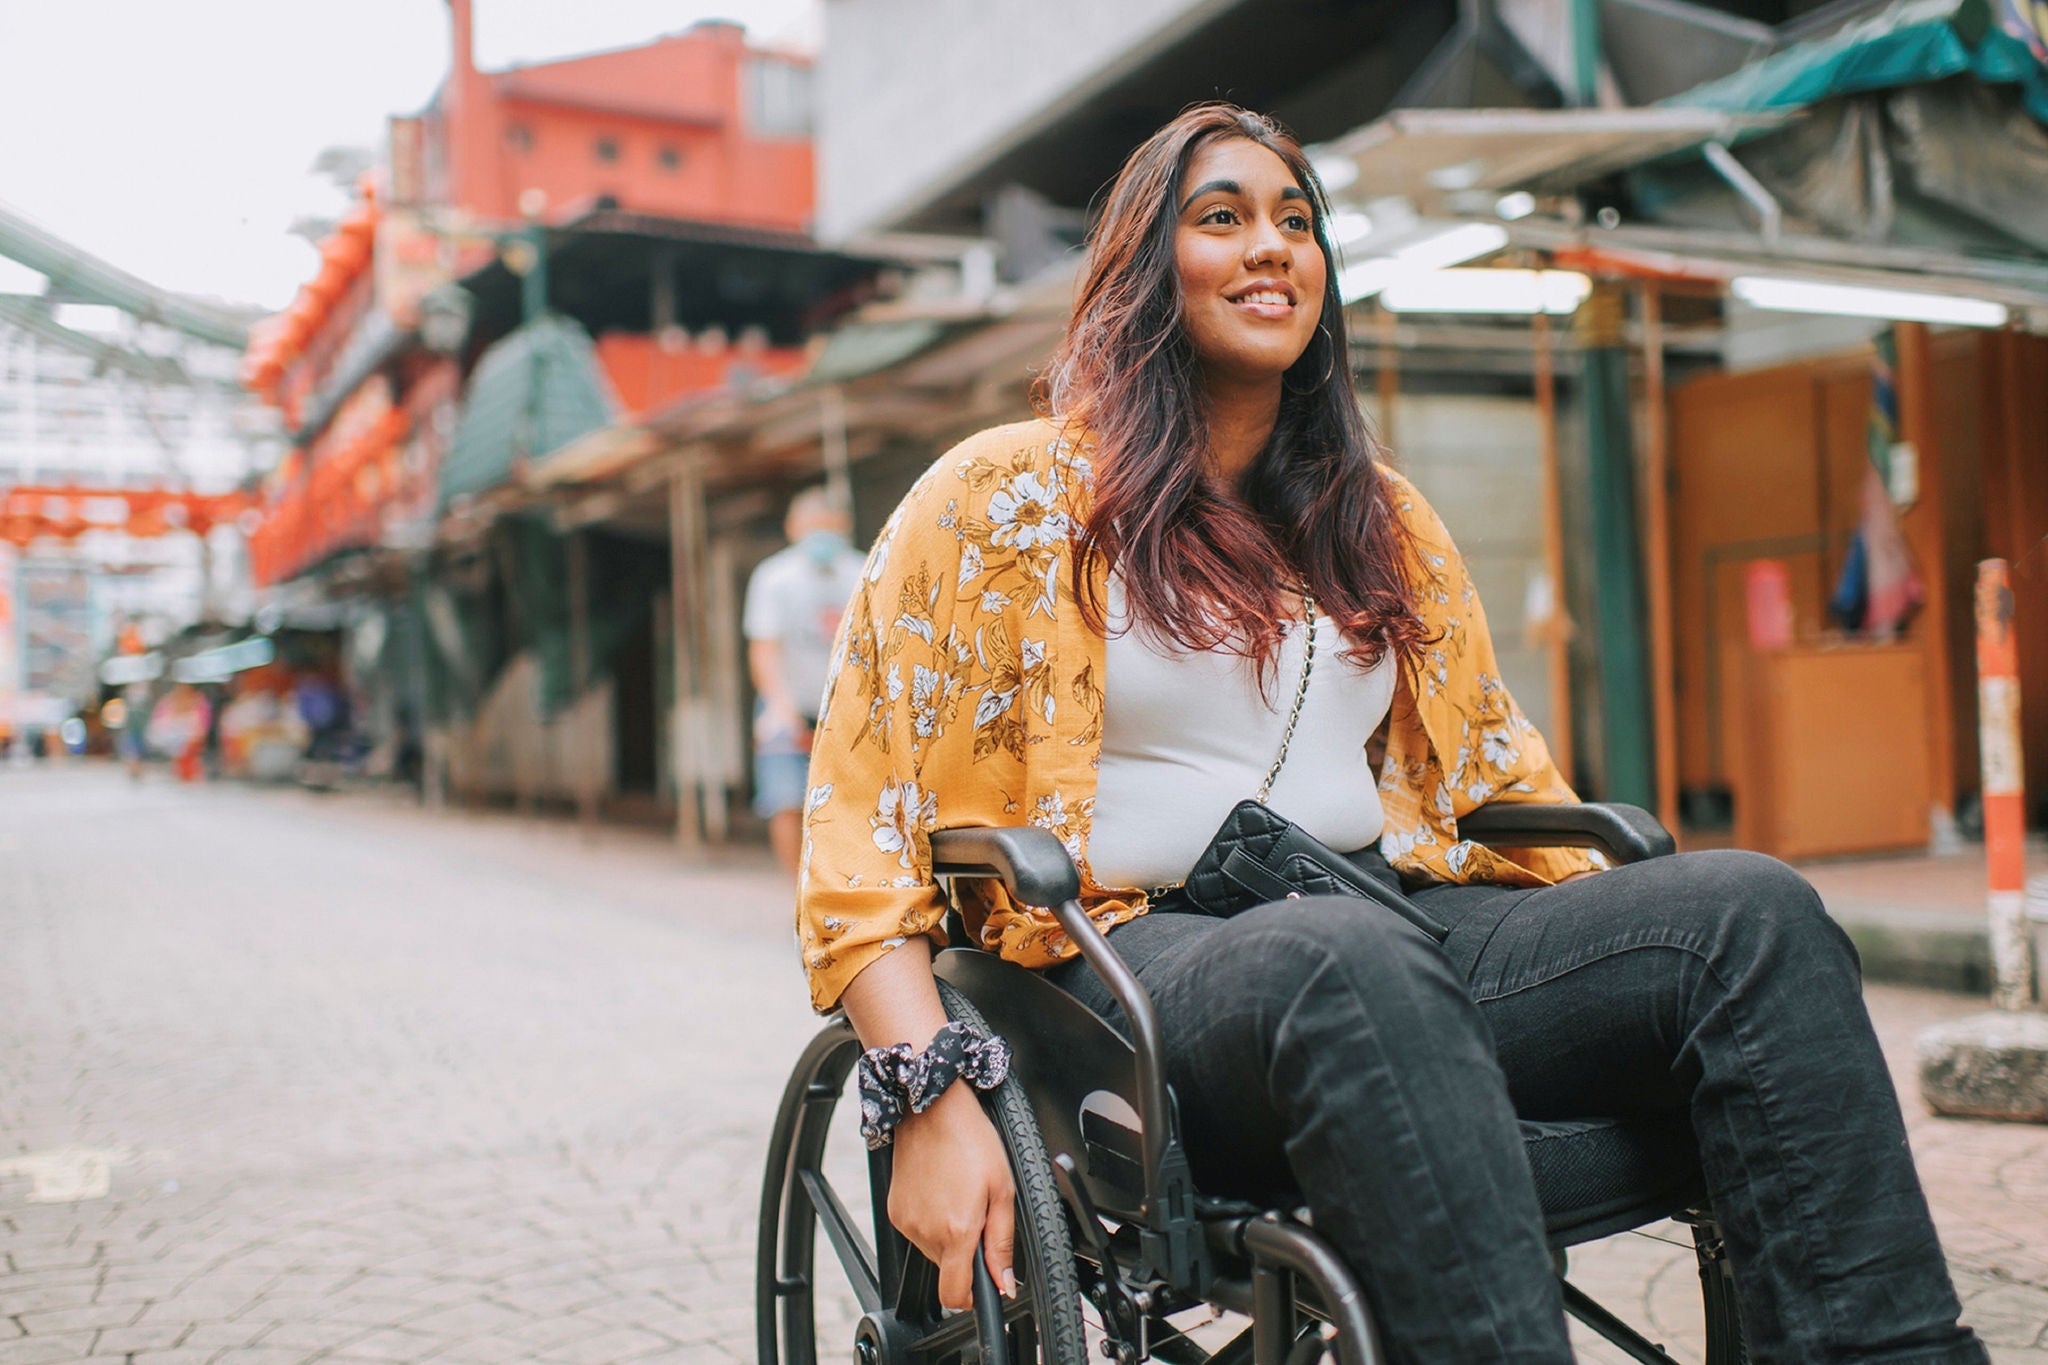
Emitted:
<point x="1106" y="624"/>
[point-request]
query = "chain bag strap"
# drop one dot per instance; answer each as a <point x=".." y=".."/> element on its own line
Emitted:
<point x="1308" y="664"/>
<point x="1258" y="855"/>
<point x="1265" y="792"/>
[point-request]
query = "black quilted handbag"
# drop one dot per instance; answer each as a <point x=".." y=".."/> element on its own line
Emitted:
<point x="1258" y="855"/>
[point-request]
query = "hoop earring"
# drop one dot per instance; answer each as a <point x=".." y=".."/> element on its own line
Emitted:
<point x="1329" y="366"/>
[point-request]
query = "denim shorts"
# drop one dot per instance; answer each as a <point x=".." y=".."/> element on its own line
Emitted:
<point x="779" y="782"/>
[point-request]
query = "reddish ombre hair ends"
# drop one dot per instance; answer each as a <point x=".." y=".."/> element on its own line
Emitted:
<point x="1202" y="568"/>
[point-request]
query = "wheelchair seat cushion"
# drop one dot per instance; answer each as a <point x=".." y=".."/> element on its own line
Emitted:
<point x="1596" y="1177"/>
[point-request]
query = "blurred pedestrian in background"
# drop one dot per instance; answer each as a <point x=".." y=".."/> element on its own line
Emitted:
<point x="126" y="715"/>
<point x="178" y="725"/>
<point x="794" y="602"/>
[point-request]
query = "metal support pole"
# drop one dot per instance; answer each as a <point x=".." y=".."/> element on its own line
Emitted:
<point x="1770" y="215"/>
<point x="1924" y="528"/>
<point x="1272" y="1314"/>
<point x="430" y="728"/>
<point x="1657" y="554"/>
<point x="533" y="286"/>
<point x="1618" y="583"/>
<point x="1558" y="629"/>
<point x="208" y="587"/>
<point x="2005" y="807"/>
<point x="662" y="297"/>
<point x="834" y="452"/>
<point x="685" y="537"/>
<point x="1389" y="376"/>
<point x="1585" y="21"/>
<point x="524" y="796"/>
<point x="579" y="673"/>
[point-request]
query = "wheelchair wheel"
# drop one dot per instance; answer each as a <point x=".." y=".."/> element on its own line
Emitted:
<point x="873" y="1299"/>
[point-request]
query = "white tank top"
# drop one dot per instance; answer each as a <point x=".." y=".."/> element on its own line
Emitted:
<point x="1187" y="736"/>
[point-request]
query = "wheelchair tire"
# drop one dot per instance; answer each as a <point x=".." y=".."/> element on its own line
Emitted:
<point x="1724" y="1340"/>
<point x="896" y="1286"/>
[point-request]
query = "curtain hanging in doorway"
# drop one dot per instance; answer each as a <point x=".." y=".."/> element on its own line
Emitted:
<point x="1879" y="589"/>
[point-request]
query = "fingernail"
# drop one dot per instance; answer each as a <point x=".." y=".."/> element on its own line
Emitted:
<point x="1009" y="1284"/>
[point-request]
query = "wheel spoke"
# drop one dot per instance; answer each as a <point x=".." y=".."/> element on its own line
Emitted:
<point x="950" y="1337"/>
<point x="917" y="1289"/>
<point x="891" y="1249"/>
<point x="1024" y="1341"/>
<point x="1631" y="1342"/>
<point x="856" y="1257"/>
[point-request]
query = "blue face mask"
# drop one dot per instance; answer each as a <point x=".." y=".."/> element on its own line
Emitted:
<point x="822" y="548"/>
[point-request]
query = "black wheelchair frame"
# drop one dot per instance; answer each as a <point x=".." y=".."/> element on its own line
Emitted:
<point x="1108" y="1212"/>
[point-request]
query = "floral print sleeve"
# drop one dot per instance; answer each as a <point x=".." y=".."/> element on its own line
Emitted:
<point x="941" y="686"/>
<point x="864" y="878"/>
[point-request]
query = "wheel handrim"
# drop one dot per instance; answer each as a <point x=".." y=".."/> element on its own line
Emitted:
<point x="893" y="1285"/>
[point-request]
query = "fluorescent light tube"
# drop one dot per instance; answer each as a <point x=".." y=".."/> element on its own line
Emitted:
<point x="1487" y="291"/>
<point x="1520" y="204"/>
<point x="1452" y="246"/>
<point x="1857" y="301"/>
<point x="1336" y="172"/>
<point x="1347" y="226"/>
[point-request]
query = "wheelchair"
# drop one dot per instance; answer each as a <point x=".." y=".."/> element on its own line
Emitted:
<point x="1114" y="1243"/>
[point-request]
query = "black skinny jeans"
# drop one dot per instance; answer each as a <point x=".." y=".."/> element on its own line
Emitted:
<point x="1325" y="1045"/>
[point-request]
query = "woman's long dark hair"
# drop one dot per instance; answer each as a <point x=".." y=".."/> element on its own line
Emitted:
<point x="1200" y="567"/>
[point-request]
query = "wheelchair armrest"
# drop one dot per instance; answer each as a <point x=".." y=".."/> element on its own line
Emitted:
<point x="1626" y="834"/>
<point x="1032" y="863"/>
<point x="1037" y="870"/>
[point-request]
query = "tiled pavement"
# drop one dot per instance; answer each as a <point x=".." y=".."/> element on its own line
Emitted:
<point x="369" y="1086"/>
<point x="292" y="1079"/>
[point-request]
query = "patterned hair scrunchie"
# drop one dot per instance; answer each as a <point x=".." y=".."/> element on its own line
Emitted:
<point x="897" y="1081"/>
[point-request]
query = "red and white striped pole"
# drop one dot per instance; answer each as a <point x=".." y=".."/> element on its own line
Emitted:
<point x="2005" y="819"/>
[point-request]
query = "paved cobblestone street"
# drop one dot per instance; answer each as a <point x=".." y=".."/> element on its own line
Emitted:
<point x="286" y="1078"/>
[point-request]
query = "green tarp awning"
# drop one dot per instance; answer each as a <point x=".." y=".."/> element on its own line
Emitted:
<point x="533" y="392"/>
<point x="1914" y="42"/>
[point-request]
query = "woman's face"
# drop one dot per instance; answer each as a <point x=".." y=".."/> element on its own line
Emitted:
<point x="1251" y="274"/>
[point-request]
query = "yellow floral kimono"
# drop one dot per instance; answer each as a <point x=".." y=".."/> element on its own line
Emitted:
<point x="967" y="689"/>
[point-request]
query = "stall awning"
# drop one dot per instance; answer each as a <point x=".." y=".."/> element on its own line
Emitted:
<point x="1425" y="154"/>
<point x="533" y="392"/>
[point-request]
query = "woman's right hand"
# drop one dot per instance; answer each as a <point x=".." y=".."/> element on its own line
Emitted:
<point x="949" y="1184"/>
<point x="950" y="1192"/>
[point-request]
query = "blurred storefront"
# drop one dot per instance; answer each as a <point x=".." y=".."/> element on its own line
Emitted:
<point x="125" y="445"/>
<point x="545" y="251"/>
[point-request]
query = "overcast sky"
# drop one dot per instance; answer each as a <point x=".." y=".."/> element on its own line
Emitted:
<point x="175" y="138"/>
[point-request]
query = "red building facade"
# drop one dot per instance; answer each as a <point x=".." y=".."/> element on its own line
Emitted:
<point x="697" y="132"/>
<point x="697" y="126"/>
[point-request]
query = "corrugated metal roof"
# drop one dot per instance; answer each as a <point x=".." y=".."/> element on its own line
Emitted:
<point x="533" y="392"/>
<point x="863" y="347"/>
